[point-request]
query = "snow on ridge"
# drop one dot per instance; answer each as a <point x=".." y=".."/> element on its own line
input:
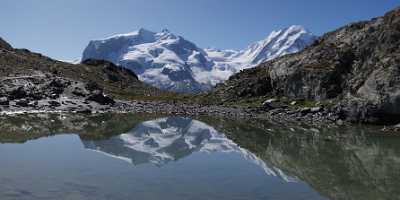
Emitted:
<point x="171" y="62"/>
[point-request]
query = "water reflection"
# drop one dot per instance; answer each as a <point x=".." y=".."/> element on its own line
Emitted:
<point x="169" y="139"/>
<point x="296" y="162"/>
<point x="358" y="163"/>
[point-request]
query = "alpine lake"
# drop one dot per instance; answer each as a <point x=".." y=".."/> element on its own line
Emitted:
<point x="141" y="156"/>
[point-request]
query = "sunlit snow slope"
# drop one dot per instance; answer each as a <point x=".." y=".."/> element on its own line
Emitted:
<point x="171" y="62"/>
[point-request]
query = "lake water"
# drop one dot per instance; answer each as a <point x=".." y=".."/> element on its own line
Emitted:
<point x="128" y="156"/>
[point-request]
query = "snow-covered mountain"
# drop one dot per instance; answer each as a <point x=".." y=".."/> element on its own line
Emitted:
<point x="171" y="62"/>
<point x="165" y="140"/>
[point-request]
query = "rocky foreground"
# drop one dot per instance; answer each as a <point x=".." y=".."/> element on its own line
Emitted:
<point x="44" y="92"/>
<point x="36" y="94"/>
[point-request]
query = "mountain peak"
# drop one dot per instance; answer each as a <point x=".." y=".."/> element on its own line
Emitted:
<point x="170" y="62"/>
<point x="296" y="28"/>
<point x="165" y="31"/>
<point x="278" y="43"/>
<point x="142" y="31"/>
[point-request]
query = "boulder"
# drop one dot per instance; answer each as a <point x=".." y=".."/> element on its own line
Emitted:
<point x="80" y="92"/>
<point x="305" y="110"/>
<point x="18" y="93"/>
<point x="4" y="101"/>
<point x="316" y="109"/>
<point x="22" y="103"/>
<point x="101" y="99"/>
<point x="54" y="103"/>
<point x="273" y="104"/>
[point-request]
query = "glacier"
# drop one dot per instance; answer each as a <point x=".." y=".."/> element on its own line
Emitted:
<point x="170" y="62"/>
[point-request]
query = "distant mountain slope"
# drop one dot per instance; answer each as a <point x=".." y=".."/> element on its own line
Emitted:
<point x="171" y="62"/>
<point x="355" y="67"/>
<point x="278" y="43"/>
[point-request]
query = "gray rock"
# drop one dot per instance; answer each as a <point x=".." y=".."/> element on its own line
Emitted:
<point x="305" y="110"/>
<point x="101" y="99"/>
<point x="22" y="103"/>
<point x="268" y="101"/>
<point x="54" y="103"/>
<point x="316" y="109"/>
<point x="339" y="122"/>
<point x="18" y="93"/>
<point x="4" y="101"/>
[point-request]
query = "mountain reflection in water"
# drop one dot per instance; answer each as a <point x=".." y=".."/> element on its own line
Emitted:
<point x="283" y="161"/>
<point x="169" y="139"/>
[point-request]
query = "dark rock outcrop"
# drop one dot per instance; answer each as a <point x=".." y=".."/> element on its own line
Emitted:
<point x="4" y="44"/>
<point x="101" y="99"/>
<point x="356" y="67"/>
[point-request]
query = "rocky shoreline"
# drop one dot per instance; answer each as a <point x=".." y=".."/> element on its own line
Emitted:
<point x="48" y="93"/>
<point x="318" y="116"/>
<point x="313" y="116"/>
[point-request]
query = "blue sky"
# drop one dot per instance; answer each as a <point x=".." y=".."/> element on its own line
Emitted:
<point x="61" y="29"/>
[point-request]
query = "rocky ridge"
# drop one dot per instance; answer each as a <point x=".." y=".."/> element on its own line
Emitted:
<point x="353" y="72"/>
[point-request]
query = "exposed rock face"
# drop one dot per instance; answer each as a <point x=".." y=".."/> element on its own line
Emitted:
<point x="356" y="66"/>
<point x="4" y="44"/>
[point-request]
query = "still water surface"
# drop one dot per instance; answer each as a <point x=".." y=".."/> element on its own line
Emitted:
<point x="183" y="158"/>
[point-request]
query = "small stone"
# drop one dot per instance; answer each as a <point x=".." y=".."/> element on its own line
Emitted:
<point x="54" y="103"/>
<point x="305" y="110"/>
<point x="316" y="109"/>
<point x="339" y="122"/>
<point x="314" y="130"/>
<point x="273" y="104"/>
<point x="293" y="103"/>
<point x="4" y="101"/>
<point x="22" y="103"/>
<point x="54" y="96"/>
<point x="33" y="103"/>
<point x="270" y="101"/>
<point x="85" y="111"/>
